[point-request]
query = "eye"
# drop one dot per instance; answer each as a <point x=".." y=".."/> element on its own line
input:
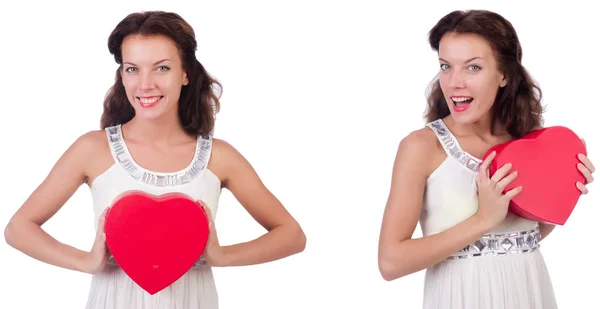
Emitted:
<point x="130" y="69"/>
<point x="474" y="67"/>
<point x="163" y="68"/>
<point x="444" y="66"/>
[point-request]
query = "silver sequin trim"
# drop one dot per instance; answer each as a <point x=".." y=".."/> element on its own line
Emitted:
<point x="201" y="262"/>
<point x="452" y="147"/>
<point x="501" y="244"/>
<point x="122" y="156"/>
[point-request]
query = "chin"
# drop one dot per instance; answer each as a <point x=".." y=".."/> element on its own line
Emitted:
<point x="152" y="113"/>
<point x="466" y="117"/>
<point x="148" y="114"/>
<point x="460" y="119"/>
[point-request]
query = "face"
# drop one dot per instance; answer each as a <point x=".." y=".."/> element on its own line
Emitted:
<point x="152" y="75"/>
<point x="469" y="76"/>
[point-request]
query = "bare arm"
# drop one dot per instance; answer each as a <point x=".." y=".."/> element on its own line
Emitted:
<point x="399" y="255"/>
<point x="24" y="231"/>
<point x="284" y="237"/>
<point x="546" y="229"/>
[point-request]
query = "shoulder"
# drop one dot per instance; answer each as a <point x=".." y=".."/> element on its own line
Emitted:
<point x="225" y="159"/>
<point x="419" y="143"/>
<point x="222" y="150"/>
<point x="89" y="143"/>
<point x="419" y="153"/>
<point x="84" y="152"/>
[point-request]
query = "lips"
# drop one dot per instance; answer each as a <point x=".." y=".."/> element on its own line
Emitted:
<point x="461" y="103"/>
<point x="149" y="101"/>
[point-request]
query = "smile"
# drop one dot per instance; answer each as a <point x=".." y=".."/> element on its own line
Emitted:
<point x="461" y="103"/>
<point x="149" y="101"/>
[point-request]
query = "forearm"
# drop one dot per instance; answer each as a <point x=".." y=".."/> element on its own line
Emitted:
<point x="546" y="229"/>
<point x="32" y="240"/>
<point x="413" y="255"/>
<point x="280" y="242"/>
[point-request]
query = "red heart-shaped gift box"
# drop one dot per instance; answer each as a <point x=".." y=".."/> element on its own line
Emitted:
<point x="155" y="239"/>
<point x="546" y="162"/>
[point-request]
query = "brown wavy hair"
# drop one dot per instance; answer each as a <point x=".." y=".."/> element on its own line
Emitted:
<point x="518" y="104"/>
<point x="199" y="100"/>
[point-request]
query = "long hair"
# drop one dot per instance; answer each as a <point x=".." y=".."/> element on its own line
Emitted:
<point x="517" y="106"/>
<point x="199" y="100"/>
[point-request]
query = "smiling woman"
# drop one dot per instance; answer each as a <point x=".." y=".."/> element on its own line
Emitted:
<point x="157" y="138"/>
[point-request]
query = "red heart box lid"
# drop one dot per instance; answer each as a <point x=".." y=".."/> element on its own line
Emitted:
<point x="155" y="239"/>
<point x="546" y="160"/>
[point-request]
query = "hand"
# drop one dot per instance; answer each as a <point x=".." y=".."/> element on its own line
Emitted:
<point x="213" y="252"/>
<point x="96" y="259"/>
<point x="587" y="169"/>
<point x="493" y="203"/>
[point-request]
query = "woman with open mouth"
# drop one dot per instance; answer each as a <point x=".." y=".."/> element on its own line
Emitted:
<point x="476" y="253"/>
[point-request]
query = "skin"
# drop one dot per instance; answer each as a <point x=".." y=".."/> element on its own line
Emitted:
<point x="157" y="141"/>
<point x="467" y="68"/>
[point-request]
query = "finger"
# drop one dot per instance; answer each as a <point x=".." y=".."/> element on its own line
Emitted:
<point x="512" y="193"/>
<point x="208" y="212"/>
<point x="102" y="241"/>
<point x="101" y="223"/>
<point x="486" y="163"/>
<point x="584" y="159"/>
<point x="104" y="213"/>
<point x="99" y="243"/>
<point x="481" y="177"/>
<point x="501" y="172"/>
<point x="501" y="185"/>
<point x="582" y="188"/>
<point x="212" y="234"/>
<point x="586" y="173"/>
<point x="203" y="205"/>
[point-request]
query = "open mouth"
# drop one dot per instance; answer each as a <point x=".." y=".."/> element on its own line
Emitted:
<point x="461" y="102"/>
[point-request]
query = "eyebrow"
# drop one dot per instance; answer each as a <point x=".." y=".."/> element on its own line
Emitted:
<point x="156" y="63"/>
<point x="469" y="60"/>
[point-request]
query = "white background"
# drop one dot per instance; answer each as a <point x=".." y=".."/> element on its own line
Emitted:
<point x="317" y="95"/>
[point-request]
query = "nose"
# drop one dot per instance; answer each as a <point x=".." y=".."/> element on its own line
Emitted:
<point x="146" y="81"/>
<point x="457" y="79"/>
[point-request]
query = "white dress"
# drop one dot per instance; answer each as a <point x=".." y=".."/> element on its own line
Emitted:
<point x="504" y="269"/>
<point x="112" y="288"/>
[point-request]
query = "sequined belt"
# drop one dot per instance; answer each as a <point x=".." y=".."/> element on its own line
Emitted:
<point x="501" y="244"/>
<point x="199" y="263"/>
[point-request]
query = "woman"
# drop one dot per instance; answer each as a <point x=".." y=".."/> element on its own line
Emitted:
<point x="483" y="97"/>
<point x="156" y="137"/>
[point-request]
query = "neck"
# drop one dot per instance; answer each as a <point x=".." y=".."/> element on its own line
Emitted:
<point x="486" y="128"/>
<point x="161" y="131"/>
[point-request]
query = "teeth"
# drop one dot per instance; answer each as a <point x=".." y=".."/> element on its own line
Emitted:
<point x="458" y="100"/>
<point x="148" y="101"/>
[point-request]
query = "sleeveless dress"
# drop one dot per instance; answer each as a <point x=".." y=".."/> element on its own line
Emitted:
<point x="504" y="269"/>
<point x="112" y="288"/>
